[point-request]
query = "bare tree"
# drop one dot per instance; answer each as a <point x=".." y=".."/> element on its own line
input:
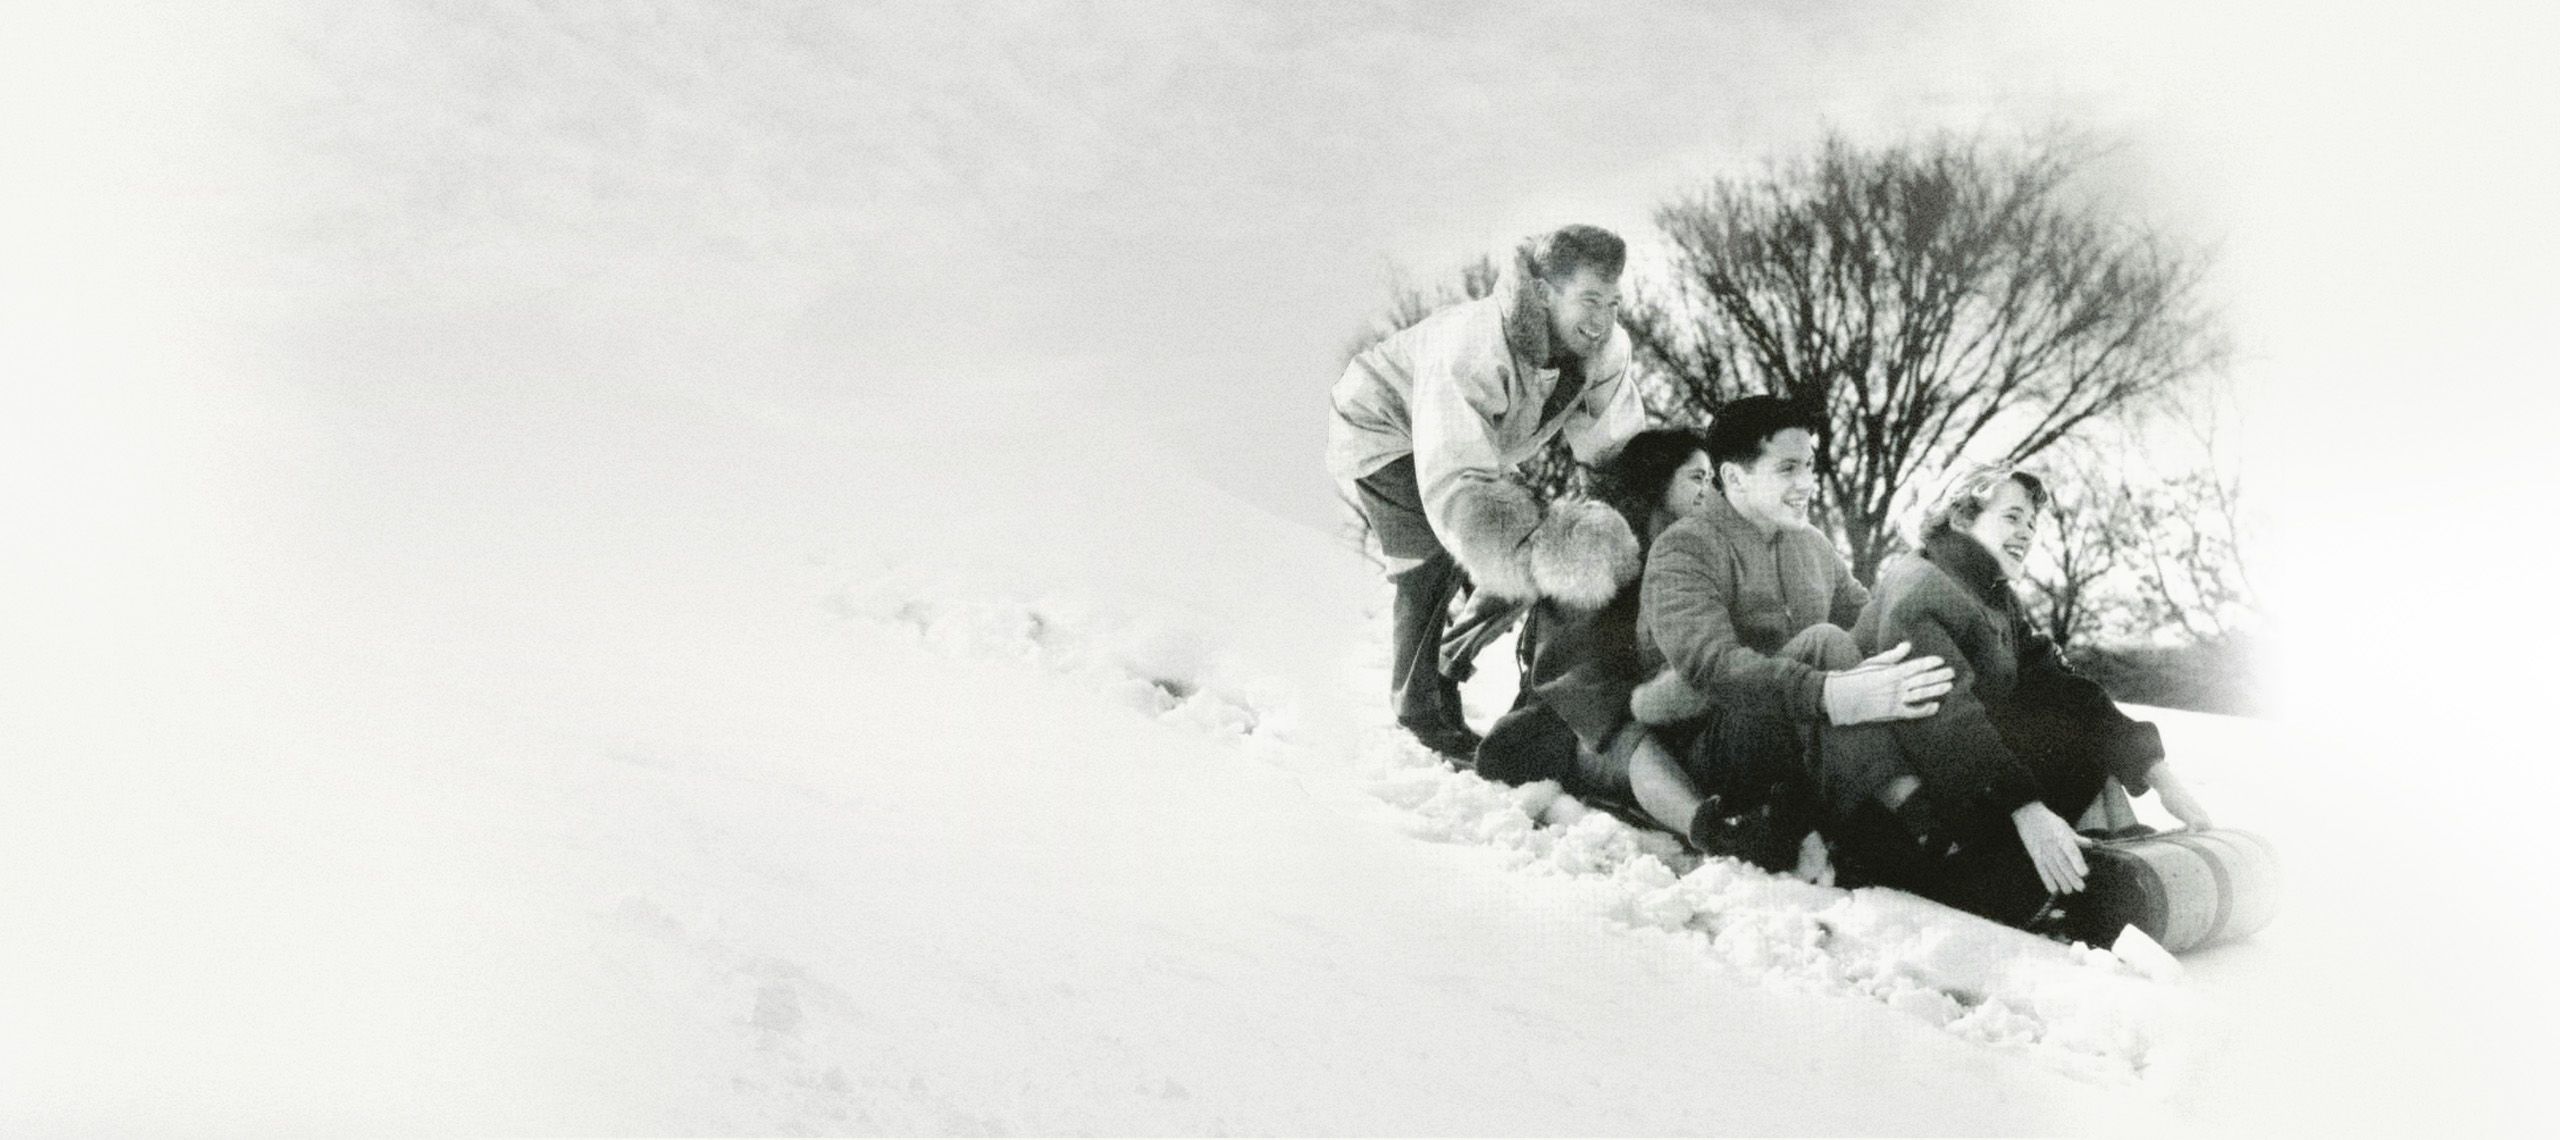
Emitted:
<point x="1689" y="374"/>
<point x="1936" y="299"/>
<point x="2069" y="579"/>
<point x="2189" y="563"/>
<point x="2207" y="576"/>
<point x="2148" y="588"/>
<point x="2144" y="557"/>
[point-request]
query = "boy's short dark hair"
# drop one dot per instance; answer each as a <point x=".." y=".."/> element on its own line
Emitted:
<point x="1554" y="257"/>
<point x="1740" y="431"/>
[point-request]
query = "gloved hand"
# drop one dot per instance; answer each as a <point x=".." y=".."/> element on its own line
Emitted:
<point x="1666" y="699"/>
<point x="1886" y="687"/>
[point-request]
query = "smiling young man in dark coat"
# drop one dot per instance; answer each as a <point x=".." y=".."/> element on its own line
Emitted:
<point x="1746" y="605"/>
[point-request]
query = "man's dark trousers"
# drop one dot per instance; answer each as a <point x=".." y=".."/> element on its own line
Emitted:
<point x="1391" y="500"/>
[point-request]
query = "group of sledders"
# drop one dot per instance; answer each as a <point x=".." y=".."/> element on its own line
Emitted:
<point x="1693" y="649"/>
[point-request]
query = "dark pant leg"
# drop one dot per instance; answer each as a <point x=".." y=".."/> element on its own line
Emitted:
<point x="1993" y="876"/>
<point x="1484" y="620"/>
<point x="1872" y="848"/>
<point x="1746" y="770"/>
<point x="1976" y="863"/>
<point x="1988" y="874"/>
<point x="1425" y="697"/>
<point x="1824" y="646"/>
<point x="1753" y="771"/>
<point x="1426" y="577"/>
<point x="2070" y="782"/>
<point x="1740" y="755"/>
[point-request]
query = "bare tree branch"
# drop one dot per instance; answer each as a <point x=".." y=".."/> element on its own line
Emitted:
<point x="1935" y="298"/>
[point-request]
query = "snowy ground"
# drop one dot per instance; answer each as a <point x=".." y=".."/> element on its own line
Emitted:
<point x="523" y="617"/>
<point x="698" y="781"/>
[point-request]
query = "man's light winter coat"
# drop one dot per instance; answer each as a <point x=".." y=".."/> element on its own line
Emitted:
<point x="1462" y="392"/>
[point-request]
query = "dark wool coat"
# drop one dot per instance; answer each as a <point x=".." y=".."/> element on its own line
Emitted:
<point x="1721" y="597"/>
<point x="2020" y="724"/>
<point x="1583" y="664"/>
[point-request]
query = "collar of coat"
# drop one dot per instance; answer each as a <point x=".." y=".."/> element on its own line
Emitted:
<point x="1966" y="560"/>
<point x="1726" y="518"/>
<point x="1524" y="310"/>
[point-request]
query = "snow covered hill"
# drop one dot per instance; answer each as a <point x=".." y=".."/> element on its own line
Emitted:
<point x="600" y="811"/>
<point x="561" y="581"/>
<point x="698" y="772"/>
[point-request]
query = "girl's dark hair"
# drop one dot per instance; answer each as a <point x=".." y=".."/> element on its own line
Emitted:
<point x="1634" y="481"/>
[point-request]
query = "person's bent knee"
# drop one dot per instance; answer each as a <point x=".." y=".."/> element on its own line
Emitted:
<point x="1424" y="571"/>
<point x="1825" y="646"/>
<point x="1854" y="762"/>
<point x="1610" y="767"/>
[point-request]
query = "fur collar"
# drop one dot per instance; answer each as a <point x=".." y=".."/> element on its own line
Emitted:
<point x="1524" y="310"/>
<point x="1966" y="560"/>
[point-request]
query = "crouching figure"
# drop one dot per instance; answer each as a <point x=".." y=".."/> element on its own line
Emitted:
<point x="1428" y="426"/>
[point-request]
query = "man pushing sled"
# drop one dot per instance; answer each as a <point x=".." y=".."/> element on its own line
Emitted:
<point x="1429" y="423"/>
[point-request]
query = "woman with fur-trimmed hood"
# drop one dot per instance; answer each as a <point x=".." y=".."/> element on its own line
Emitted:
<point x="1973" y="806"/>
<point x="1429" y="426"/>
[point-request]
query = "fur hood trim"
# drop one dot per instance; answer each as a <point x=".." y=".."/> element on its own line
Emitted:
<point x="1584" y="553"/>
